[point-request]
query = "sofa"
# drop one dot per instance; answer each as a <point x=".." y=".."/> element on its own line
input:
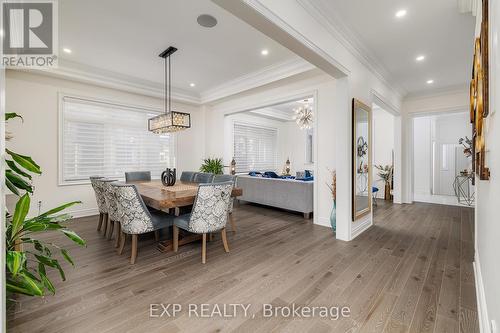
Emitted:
<point x="291" y="194"/>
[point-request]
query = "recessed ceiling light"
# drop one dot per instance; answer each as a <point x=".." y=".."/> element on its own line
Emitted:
<point x="430" y="81"/>
<point x="192" y="84"/>
<point x="420" y="58"/>
<point x="264" y="52"/>
<point x="66" y="50"/>
<point x="401" y="13"/>
<point x="207" y="21"/>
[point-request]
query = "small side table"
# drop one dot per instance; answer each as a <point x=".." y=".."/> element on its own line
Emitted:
<point x="464" y="190"/>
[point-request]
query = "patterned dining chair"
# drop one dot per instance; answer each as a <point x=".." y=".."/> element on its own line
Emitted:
<point x="228" y="178"/>
<point x="108" y="220"/>
<point x="113" y="216"/>
<point x="187" y="176"/>
<point x="135" y="218"/>
<point x="209" y="215"/>
<point x="101" y="203"/>
<point x="203" y="177"/>
<point x="137" y="176"/>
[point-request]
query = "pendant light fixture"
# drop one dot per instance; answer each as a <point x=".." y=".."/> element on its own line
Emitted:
<point x="170" y="121"/>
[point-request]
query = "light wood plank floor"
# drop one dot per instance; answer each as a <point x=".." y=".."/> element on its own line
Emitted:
<point x="411" y="272"/>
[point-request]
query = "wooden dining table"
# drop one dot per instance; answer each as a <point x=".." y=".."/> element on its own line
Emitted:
<point x="170" y="199"/>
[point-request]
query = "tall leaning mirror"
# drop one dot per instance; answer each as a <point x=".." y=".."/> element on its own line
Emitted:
<point x="361" y="159"/>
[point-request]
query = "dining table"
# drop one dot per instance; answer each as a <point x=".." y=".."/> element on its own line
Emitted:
<point x="170" y="199"/>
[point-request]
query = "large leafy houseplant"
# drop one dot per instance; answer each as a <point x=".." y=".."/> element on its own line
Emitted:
<point x="27" y="257"/>
<point x="212" y="165"/>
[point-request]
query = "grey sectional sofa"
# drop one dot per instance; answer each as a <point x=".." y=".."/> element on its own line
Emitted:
<point x="295" y="195"/>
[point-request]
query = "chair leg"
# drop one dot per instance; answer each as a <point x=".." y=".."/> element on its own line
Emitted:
<point x="231" y="220"/>
<point x="157" y="235"/>
<point x="105" y="221"/>
<point x="204" y="249"/>
<point x="99" y="225"/>
<point x="123" y="238"/>
<point x="211" y="237"/>
<point x="224" y="240"/>
<point x="118" y="234"/>
<point x="111" y="227"/>
<point x="175" y="238"/>
<point x="133" y="257"/>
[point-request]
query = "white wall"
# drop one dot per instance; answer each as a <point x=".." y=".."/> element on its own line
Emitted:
<point x="35" y="97"/>
<point x="488" y="194"/>
<point x="422" y="155"/>
<point x="383" y="144"/>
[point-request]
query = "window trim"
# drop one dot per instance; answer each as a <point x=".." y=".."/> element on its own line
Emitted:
<point x="60" y="129"/>
<point x="257" y="125"/>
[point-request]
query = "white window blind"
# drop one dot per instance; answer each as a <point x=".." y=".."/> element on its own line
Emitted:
<point x="108" y="140"/>
<point x="254" y="147"/>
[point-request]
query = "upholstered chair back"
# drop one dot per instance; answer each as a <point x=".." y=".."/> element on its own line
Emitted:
<point x="203" y="177"/>
<point x="134" y="215"/>
<point x="211" y="207"/>
<point x="99" y="195"/>
<point x="223" y="178"/>
<point x="110" y="198"/>
<point x="187" y="176"/>
<point x="138" y="176"/>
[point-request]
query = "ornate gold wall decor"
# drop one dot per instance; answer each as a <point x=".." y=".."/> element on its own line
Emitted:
<point x="479" y="95"/>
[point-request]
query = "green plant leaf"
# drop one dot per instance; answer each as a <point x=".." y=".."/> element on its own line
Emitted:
<point x="74" y="237"/>
<point x="13" y="166"/>
<point x="18" y="182"/>
<point x="58" y="209"/>
<point x="22" y="208"/>
<point x="18" y="288"/>
<point x="25" y="284"/>
<point x="11" y="186"/>
<point x="25" y="161"/>
<point x="66" y="256"/>
<point x="45" y="280"/>
<point x="15" y="261"/>
<point x="10" y="115"/>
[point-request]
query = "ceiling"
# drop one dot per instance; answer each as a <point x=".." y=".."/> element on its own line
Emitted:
<point x="126" y="36"/>
<point x="433" y="28"/>
<point x="284" y="111"/>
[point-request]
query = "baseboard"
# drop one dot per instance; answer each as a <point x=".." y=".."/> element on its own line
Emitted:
<point x="482" y="310"/>
<point x="84" y="212"/>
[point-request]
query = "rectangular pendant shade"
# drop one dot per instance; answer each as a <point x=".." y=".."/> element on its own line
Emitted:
<point x="169" y="122"/>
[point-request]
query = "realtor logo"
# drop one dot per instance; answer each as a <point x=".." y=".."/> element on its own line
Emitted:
<point x="29" y="33"/>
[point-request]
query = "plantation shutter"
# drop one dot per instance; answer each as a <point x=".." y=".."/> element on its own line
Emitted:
<point x="254" y="147"/>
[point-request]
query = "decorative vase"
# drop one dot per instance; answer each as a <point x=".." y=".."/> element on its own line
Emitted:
<point x="387" y="193"/>
<point x="333" y="216"/>
<point x="168" y="177"/>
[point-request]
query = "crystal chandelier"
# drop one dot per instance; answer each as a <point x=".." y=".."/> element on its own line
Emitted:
<point x="170" y="121"/>
<point x="304" y="117"/>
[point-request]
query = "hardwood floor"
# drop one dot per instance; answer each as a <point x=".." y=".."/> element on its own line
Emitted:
<point x="411" y="272"/>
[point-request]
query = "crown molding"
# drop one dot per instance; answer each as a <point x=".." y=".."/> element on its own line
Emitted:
<point x="339" y="30"/>
<point x="256" y="79"/>
<point x="439" y="110"/>
<point x="273" y="113"/>
<point x="449" y="90"/>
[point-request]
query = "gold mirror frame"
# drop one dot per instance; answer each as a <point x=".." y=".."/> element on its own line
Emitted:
<point x="356" y="104"/>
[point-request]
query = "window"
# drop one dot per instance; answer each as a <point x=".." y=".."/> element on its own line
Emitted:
<point x="254" y="147"/>
<point x="105" y="139"/>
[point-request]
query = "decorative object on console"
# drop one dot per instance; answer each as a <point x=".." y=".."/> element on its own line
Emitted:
<point x="304" y="117"/>
<point x="212" y="165"/>
<point x="287" y="167"/>
<point x="168" y="177"/>
<point x="333" y="190"/>
<point x="385" y="174"/>
<point x="170" y="121"/>
<point x="233" y="166"/>
<point x="479" y="95"/>
<point x="467" y="144"/>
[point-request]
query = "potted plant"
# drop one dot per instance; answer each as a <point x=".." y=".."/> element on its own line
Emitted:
<point x="385" y="174"/>
<point x="27" y="256"/>
<point x="333" y="190"/>
<point x="212" y="165"/>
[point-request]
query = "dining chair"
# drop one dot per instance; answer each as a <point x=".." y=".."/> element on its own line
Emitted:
<point x="113" y="216"/>
<point x="228" y="178"/>
<point x="101" y="203"/>
<point x="203" y="177"/>
<point x="108" y="219"/>
<point x="137" y="176"/>
<point x="135" y="218"/>
<point x="209" y="215"/>
<point x="187" y="176"/>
